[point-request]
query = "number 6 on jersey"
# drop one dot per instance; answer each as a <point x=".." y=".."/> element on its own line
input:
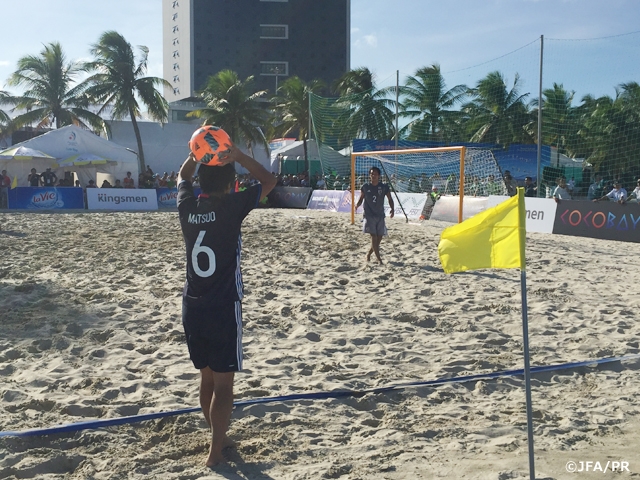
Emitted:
<point x="198" y="248"/>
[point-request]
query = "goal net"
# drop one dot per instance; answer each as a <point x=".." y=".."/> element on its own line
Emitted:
<point x="461" y="171"/>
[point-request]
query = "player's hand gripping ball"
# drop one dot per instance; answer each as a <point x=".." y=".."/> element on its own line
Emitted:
<point x="209" y="145"/>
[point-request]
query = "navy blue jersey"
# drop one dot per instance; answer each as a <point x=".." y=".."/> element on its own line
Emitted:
<point x="211" y="230"/>
<point x="374" y="199"/>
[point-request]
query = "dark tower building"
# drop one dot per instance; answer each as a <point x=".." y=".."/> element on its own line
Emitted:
<point x="269" y="39"/>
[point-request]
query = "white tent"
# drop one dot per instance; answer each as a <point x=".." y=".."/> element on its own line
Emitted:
<point x="69" y="141"/>
<point x="295" y="151"/>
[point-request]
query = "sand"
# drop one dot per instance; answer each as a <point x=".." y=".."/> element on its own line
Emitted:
<point x="90" y="329"/>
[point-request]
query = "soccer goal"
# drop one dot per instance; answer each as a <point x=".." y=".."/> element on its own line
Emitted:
<point x="447" y="170"/>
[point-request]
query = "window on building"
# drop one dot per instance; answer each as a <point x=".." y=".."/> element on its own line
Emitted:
<point x="176" y="78"/>
<point x="274" y="68"/>
<point x="176" y="66"/>
<point x="176" y="54"/>
<point x="274" y="31"/>
<point x="176" y="91"/>
<point x="175" y="29"/>
<point x="175" y="16"/>
<point x="175" y="4"/>
<point x="176" y="42"/>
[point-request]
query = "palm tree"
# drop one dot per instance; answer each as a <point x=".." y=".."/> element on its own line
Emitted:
<point x="364" y="112"/>
<point x="292" y="108"/>
<point x="497" y="114"/>
<point x="424" y="95"/>
<point x="232" y="105"/>
<point x="5" y="119"/>
<point x="559" y="125"/>
<point x="49" y="97"/>
<point x="611" y="129"/>
<point x="120" y="81"/>
<point x="5" y="99"/>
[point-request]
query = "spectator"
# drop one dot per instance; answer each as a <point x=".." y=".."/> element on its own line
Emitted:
<point x="571" y="185"/>
<point x="34" y="178"/>
<point x="414" y="185"/>
<point x="618" y="194"/>
<point x="92" y="184"/>
<point x="493" y="187"/>
<point x="118" y="184"/>
<point x="561" y="192"/>
<point x="320" y="183"/>
<point x="128" y="181"/>
<point x="164" y="180"/>
<point x="78" y="183"/>
<point x="106" y="184"/>
<point x="636" y="192"/>
<point x="49" y="178"/>
<point x="530" y="190"/>
<point x="475" y="188"/>
<point x="595" y="189"/>
<point x="172" y="181"/>
<point x="510" y="183"/>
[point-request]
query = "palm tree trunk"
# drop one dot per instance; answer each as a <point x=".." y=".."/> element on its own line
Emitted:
<point x="136" y="130"/>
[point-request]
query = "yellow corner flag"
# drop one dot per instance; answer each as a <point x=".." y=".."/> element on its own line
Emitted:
<point x="14" y="184"/>
<point x="494" y="238"/>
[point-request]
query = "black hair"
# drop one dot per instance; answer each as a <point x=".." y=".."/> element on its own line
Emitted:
<point x="376" y="169"/>
<point x="216" y="179"/>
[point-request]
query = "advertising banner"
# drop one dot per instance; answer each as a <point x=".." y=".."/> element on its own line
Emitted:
<point x="447" y="207"/>
<point x="122" y="199"/>
<point x="413" y="203"/>
<point x="541" y="212"/>
<point x="167" y="197"/>
<point x="345" y="204"/>
<point x="329" y="200"/>
<point x="290" y="197"/>
<point x="604" y="220"/>
<point x="46" y="198"/>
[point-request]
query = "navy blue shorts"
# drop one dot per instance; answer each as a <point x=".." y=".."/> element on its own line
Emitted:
<point x="214" y="334"/>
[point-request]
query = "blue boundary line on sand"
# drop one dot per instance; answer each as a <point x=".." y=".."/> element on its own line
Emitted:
<point x="110" y="422"/>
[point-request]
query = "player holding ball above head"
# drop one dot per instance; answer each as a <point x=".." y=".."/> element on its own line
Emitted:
<point x="373" y="194"/>
<point x="211" y="300"/>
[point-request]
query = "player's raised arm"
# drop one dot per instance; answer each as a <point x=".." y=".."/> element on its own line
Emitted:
<point x="188" y="169"/>
<point x="261" y="174"/>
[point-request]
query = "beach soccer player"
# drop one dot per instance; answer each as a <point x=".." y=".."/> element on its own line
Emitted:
<point x="211" y="301"/>
<point x="372" y="195"/>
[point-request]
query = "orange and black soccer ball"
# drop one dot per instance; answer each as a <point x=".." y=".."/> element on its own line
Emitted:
<point x="209" y="144"/>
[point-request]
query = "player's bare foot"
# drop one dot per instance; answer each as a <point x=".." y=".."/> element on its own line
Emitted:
<point x="215" y="459"/>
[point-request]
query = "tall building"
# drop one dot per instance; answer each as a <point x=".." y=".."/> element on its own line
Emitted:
<point x="269" y="39"/>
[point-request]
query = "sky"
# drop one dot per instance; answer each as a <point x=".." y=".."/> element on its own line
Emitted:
<point x="467" y="38"/>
